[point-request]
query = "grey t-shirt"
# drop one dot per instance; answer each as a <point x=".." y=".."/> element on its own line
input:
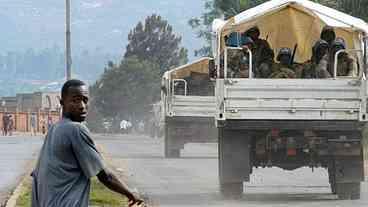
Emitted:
<point x="67" y="161"/>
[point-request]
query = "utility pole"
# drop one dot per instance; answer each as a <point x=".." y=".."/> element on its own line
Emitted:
<point x="68" y="43"/>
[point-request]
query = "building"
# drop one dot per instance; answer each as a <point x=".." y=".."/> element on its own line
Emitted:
<point x="31" y="102"/>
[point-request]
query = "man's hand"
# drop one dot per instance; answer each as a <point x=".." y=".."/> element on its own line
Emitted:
<point x="133" y="200"/>
<point x="114" y="184"/>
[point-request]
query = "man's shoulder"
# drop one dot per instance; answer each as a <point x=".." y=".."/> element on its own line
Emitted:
<point x="71" y="126"/>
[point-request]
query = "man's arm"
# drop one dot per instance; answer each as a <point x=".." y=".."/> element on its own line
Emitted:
<point x="113" y="183"/>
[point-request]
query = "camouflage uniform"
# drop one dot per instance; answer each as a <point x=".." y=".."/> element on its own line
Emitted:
<point x="317" y="67"/>
<point x="262" y="54"/>
<point x="238" y="64"/>
<point x="283" y="69"/>
<point x="346" y="64"/>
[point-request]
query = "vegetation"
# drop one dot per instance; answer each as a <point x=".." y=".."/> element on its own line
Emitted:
<point x="155" y="41"/>
<point x="99" y="196"/>
<point x="127" y="90"/>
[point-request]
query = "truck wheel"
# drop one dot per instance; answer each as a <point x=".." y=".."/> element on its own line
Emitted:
<point x="234" y="161"/>
<point x="170" y="151"/>
<point x="232" y="190"/>
<point x="332" y="178"/>
<point x="348" y="191"/>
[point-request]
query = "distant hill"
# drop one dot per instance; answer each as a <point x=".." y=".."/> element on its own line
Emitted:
<point x="102" y="24"/>
<point x="33" y="33"/>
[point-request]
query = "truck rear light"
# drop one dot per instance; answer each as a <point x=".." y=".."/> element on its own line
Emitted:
<point x="275" y="132"/>
<point x="291" y="152"/>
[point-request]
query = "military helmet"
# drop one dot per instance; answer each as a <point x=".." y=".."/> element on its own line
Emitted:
<point x="328" y="34"/>
<point x="254" y="29"/>
<point x="339" y="42"/>
<point x="319" y="45"/>
<point x="284" y="51"/>
<point x="246" y="40"/>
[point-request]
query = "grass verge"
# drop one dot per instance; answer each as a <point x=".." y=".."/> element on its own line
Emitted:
<point x="100" y="196"/>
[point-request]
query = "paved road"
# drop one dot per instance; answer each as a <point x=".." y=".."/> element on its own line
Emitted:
<point x="192" y="180"/>
<point x="15" y="153"/>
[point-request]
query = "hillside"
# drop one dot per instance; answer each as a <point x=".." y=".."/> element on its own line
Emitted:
<point x="32" y="40"/>
<point x="102" y="24"/>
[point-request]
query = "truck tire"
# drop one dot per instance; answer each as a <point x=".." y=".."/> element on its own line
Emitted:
<point x="234" y="162"/>
<point x="332" y="177"/>
<point x="348" y="191"/>
<point x="170" y="150"/>
<point x="172" y="153"/>
<point x="232" y="190"/>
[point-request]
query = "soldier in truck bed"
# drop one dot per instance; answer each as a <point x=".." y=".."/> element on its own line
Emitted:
<point x="346" y="64"/>
<point x="317" y="67"/>
<point x="238" y="63"/>
<point x="262" y="53"/>
<point x="283" y="69"/>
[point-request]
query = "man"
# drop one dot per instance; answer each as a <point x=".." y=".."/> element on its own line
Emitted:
<point x="69" y="157"/>
<point x="123" y="126"/>
<point x="238" y="61"/>
<point x="283" y="69"/>
<point x="5" y="123"/>
<point x="33" y="124"/>
<point x="346" y="64"/>
<point x="317" y="67"/>
<point x="10" y="125"/>
<point x="262" y="53"/>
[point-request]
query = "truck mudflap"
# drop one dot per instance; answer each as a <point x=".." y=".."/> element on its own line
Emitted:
<point x="234" y="156"/>
<point x="349" y="169"/>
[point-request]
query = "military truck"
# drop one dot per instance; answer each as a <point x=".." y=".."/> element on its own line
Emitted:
<point x="291" y="123"/>
<point x="188" y="106"/>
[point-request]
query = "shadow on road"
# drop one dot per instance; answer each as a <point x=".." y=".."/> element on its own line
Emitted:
<point x="202" y="199"/>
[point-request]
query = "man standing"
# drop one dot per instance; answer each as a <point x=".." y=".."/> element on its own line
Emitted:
<point x="33" y="124"/>
<point x="69" y="158"/>
<point x="5" y="124"/>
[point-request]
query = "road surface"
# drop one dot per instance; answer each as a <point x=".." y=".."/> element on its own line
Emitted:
<point x="15" y="153"/>
<point x="192" y="180"/>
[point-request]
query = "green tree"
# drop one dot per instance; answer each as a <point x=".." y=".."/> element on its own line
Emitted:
<point x="155" y="41"/>
<point x="127" y="90"/>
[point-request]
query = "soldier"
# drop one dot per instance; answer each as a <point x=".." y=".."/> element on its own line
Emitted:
<point x="262" y="53"/>
<point x="238" y="61"/>
<point x="317" y="67"/>
<point x="346" y="64"/>
<point x="283" y="69"/>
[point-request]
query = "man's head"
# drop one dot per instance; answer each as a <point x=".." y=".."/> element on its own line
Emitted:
<point x="328" y="34"/>
<point x="284" y="56"/>
<point x="74" y="100"/>
<point x="337" y="45"/>
<point x="247" y="42"/>
<point x="253" y="33"/>
<point x="320" y="49"/>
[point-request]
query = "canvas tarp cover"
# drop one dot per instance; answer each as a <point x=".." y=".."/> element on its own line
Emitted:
<point x="290" y="24"/>
<point x="200" y="66"/>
